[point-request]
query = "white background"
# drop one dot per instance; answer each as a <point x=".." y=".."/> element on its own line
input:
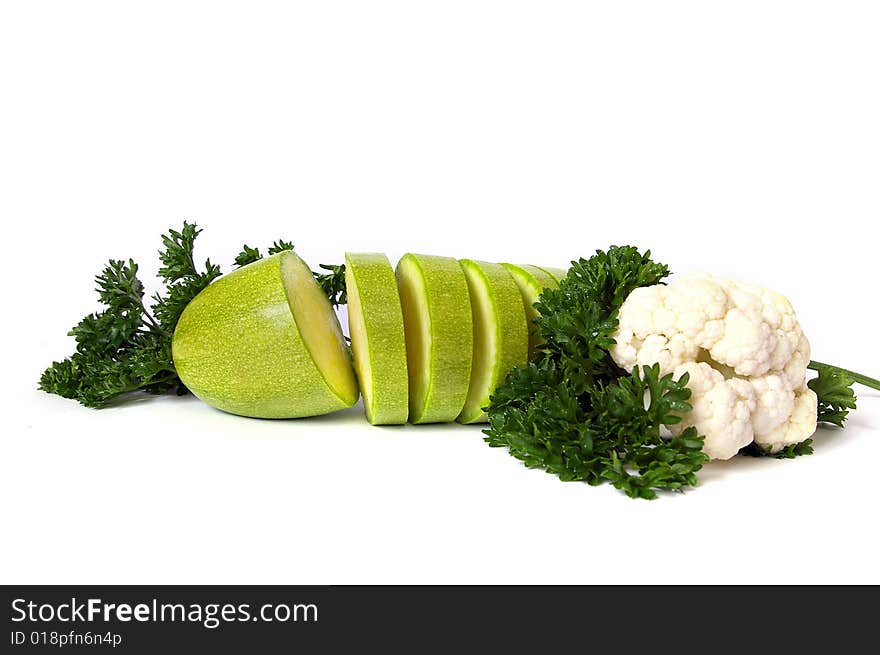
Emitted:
<point x="741" y="138"/>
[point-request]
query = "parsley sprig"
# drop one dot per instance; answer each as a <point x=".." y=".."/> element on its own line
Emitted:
<point x="249" y="255"/>
<point x="333" y="283"/>
<point x="833" y="386"/>
<point x="127" y="346"/>
<point x="573" y="412"/>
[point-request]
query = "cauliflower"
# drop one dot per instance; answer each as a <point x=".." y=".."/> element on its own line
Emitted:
<point x="745" y="353"/>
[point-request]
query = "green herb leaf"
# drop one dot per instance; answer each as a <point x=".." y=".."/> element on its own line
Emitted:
<point x="177" y="257"/>
<point x="608" y="277"/>
<point x="833" y="387"/>
<point x="333" y="283"/>
<point x="126" y="347"/>
<point x="247" y="256"/>
<point x="280" y="246"/>
<point x="573" y="412"/>
<point x="788" y="452"/>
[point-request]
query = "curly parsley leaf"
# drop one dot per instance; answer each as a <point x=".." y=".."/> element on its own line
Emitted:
<point x="615" y="438"/>
<point x="333" y="283"/>
<point x="573" y="412"/>
<point x="608" y="277"/>
<point x="247" y="256"/>
<point x="279" y="246"/>
<point x="177" y="257"/>
<point x="833" y="387"/>
<point x="127" y="347"/>
<point x="788" y="452"/>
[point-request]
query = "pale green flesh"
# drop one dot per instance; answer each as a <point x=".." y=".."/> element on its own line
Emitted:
<point x="319" y="327"/>
<point x="375" y="321"/>
<point x="531" y="281"/>
<point x="263" y="341"/>
<point x="500" y="333"/>
<point x="439" y="336"/>
<point x="416" y="320"/>
<point x="360" y="348"/>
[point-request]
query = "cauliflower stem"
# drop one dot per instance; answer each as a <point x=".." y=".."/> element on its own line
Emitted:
<point x="851" y="375"/>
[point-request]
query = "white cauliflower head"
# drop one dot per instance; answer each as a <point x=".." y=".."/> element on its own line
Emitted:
<point x="743" y="349"/>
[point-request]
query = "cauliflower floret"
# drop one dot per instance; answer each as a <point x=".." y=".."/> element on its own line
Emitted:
<point x="797" y="365"/>
<point x="721" y="410"/>
<point x="744" y="349"/>
<point x="800" y="425"/>
<point x="746" y="344"/>
<point x="775" y="402"/>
